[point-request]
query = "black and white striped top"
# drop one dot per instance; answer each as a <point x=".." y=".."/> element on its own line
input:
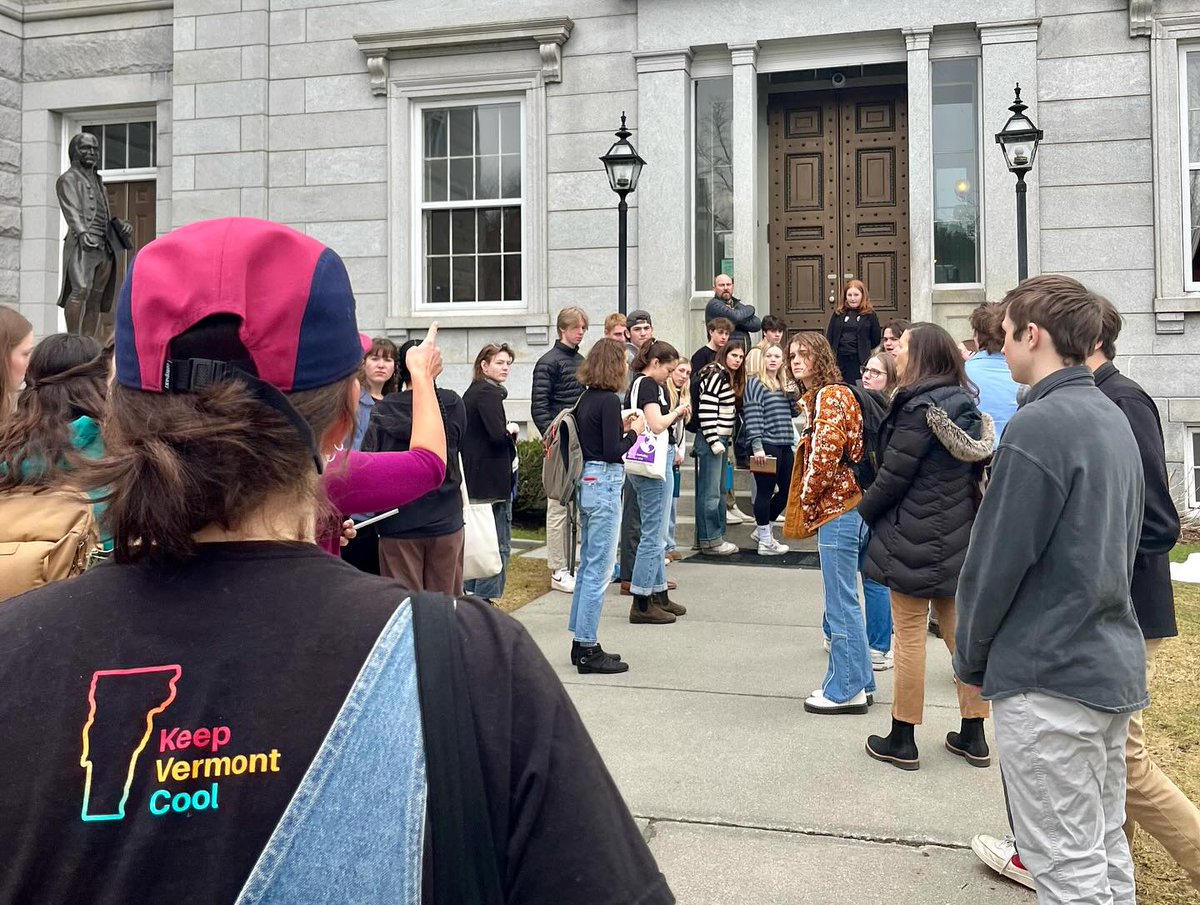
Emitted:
<point x="717" y="406"/>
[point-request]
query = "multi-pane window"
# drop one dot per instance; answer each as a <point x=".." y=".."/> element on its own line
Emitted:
<point x="956" y="171"/>
<point x="1193" y="468"/>
<point x="1191" y="159"/>
<point x="126" y="146"/>
<point x="471" y="203"/>
<point x="714" y="179"/>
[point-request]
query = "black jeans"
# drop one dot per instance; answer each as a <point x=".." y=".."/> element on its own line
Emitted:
<point x="768" y="503"/>
<point x="631" y="531"/>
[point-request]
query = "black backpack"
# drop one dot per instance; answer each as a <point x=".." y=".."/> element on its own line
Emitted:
<point x="874" y="409"/>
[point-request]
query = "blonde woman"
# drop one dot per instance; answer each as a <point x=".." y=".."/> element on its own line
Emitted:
<point x="679" y="391"/>
<point x="768" y="410"/>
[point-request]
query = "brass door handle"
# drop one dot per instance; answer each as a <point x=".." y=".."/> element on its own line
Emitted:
<point x="832" y="299"/>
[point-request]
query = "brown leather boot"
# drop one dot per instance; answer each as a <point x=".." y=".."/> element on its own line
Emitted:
<point x="645" y="611"/>
<point x="666" y="603"/>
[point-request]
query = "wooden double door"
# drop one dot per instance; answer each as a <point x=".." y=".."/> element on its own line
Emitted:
<point x="839" y="202"/>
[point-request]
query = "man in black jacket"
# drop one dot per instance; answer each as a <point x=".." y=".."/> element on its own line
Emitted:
<point x="725" y="304"/>
<point x="1151" y="799"/>
<point x="555" y="389"/>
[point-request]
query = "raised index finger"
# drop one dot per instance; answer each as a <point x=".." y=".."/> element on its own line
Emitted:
<point x="431" y="336"/>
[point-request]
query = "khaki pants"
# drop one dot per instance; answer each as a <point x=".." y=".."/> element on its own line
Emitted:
<point x="425" y="563"/>
<point x="557" y="532"/>
<point x="1153" y="801"/>
<point x="909" y="617"/>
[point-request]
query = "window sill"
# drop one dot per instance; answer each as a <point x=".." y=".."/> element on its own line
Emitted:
<point x="454" y="320"/>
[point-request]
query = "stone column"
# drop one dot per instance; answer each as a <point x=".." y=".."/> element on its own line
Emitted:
<point x="664" y="223"/>
<point x="745" y="176"/>
<point x="920" y="174"/>
<point x="220" y="112"/>
<point x="1009" y="57"/>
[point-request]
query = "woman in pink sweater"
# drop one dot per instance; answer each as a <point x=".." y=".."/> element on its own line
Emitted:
<point x="376" y="482"/>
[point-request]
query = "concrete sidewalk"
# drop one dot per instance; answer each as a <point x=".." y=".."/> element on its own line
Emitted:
<point x="746" y="798"/>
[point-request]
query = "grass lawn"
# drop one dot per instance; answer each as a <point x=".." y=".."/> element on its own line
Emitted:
<point x="1182" y="551"/>
<point x="527" y="580"/>
<point x="537" y="534"/>
<point x="1173" y="736"/>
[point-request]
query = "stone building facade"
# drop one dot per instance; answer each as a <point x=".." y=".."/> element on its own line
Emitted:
<point x="449" y="150"/>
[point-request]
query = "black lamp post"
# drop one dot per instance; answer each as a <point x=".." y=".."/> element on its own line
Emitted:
<point x="1019" y="141"/>
<point x="623" y="166"/>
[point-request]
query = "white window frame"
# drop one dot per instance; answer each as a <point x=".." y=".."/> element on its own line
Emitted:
<point x="694" y="82"/>
<point x="1186" y="168"/>
<point x="74" y="124"/>
<point x="419" y="206"/>
<point x="980" y="243"/>
<point x="1191" y="490"/>
<point x="405" y="242"/>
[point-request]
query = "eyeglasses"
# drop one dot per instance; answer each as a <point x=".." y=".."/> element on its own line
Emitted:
<point x="872" y="372"/>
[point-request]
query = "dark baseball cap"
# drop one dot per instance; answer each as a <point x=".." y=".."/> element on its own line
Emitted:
<point x="638" y="317"/>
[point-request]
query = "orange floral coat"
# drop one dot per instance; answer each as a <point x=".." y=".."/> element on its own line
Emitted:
<point x="823" y="486"/>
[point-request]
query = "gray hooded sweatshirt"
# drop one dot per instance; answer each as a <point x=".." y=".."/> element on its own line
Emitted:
<point x="1043" y="598"/>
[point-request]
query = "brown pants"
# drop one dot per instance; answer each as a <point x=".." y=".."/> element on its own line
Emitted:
<point x="1153" y="801"/>
<point x="426" y="563"/>
<point x="909" y="617"/>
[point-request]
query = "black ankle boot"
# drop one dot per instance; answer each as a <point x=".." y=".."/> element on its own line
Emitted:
<point x="576" y="647"/>
<point x="969" y="743"/>
<point x="597" y="660"/>
<point x="666" y="603"/>
<point x="899" y="748"/>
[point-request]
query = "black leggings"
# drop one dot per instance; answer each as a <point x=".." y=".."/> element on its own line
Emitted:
<point x="767" y="502"/>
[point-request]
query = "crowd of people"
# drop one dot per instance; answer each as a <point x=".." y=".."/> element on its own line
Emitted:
<point x="996" y="497"/>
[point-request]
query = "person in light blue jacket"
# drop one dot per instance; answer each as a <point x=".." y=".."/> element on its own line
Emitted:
<point x="987" y="368"/>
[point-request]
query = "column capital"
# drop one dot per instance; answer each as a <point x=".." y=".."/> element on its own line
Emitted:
<point x="1014" y="31"/>
<point x="917" y="39"/>
<point x="744" y="54"/>
<point x="663" y="60"/>
<point x="1141" y="18"/>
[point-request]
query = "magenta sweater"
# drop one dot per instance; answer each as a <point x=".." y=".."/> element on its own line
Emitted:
<point x="377" y="482"/>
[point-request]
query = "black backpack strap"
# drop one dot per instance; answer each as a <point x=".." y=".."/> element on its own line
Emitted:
<point x="464" y="859"/>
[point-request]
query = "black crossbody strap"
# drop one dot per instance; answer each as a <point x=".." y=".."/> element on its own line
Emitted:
<point x="463" y="852"/>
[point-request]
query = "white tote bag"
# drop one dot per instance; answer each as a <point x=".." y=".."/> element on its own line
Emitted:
<point x="481" y="544"/>
<point x="648" y="455"/>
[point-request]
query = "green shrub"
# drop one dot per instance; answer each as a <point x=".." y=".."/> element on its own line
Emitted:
<point x="531" y="498"/>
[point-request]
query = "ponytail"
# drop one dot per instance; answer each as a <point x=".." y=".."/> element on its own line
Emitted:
<point x="650" y="350"/>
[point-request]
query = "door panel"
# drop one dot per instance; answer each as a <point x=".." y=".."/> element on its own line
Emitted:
<point x="839" y="202"/>
<point x="135" y="202"/>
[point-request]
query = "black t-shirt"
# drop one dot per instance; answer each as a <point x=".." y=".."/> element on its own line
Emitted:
<point x="256" y="645"/>
<point x="848" y="340"/>
<point x="602" y="434"/>
<point x="647" y="391"/>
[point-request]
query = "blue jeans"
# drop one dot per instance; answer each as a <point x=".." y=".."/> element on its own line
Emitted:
<point x="372" y="844"/>
<point x="492" y="588"/>
<point x="654" y="503"/>
<point x="841" y="543"/>
<point x="674" y="517"/>
<point x="600" y="523"/>
<point x="710" y="495"/>
<point x="879" y="615"/>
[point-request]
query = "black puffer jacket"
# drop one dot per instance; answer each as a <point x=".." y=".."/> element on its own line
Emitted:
<point x="921" y="507"/>
<point x="554" y="385"/>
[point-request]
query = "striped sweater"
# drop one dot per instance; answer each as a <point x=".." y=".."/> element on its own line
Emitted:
<point x="717" y="406"/>
<point x="767" y="415"/>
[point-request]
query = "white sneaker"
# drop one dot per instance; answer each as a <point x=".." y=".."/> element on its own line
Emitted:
<point x="825" y="644"/>
<point x="881" y="661"/>
<point x="818" y="703"/>
<point x="1001" y="856"/>
<point x="768" y="546"/>
<point x="782" y="518"/>
<point x="724" y="548"/>
<point x="564" y="581"/>
<point x="735" y="516"/>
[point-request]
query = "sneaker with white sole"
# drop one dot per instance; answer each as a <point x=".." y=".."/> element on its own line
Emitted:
<point x="721" y="548"/>
<point x="881" y="661"/>
<point x="735" y="516"/>
<point x="818" y="703"/>
<point x="564" y="581"/>
<point x="768" y="546"/>
<point x="1001" y="856"/>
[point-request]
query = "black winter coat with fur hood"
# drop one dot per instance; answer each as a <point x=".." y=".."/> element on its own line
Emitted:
<point x="922" y="504"/>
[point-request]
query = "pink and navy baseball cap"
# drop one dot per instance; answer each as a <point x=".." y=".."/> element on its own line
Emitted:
<point x="288" y="293"/>
<point x="291" y="293"/>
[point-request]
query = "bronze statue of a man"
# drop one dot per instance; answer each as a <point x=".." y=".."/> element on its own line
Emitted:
<point x="94" y="239"/>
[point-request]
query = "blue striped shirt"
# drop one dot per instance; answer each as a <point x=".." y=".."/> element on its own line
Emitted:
<point x="767" y="415"/>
